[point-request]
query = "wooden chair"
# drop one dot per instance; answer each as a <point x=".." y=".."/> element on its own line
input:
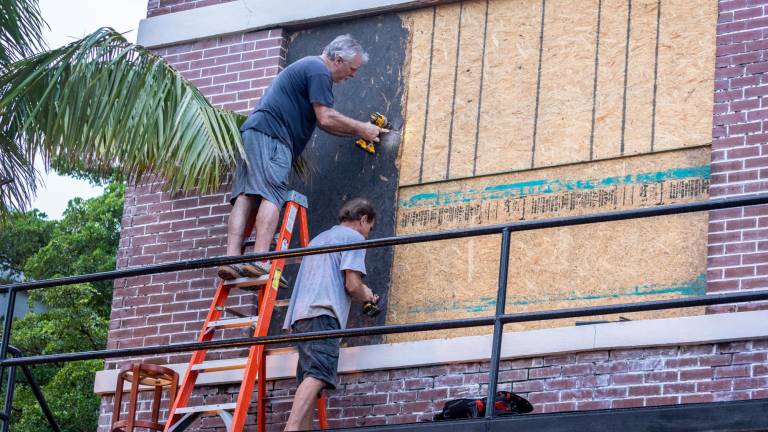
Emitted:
<point x="138" y="374"/>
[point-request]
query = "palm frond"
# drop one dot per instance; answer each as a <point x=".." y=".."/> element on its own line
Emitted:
<point x="21" y="30"/>
<point x="105" y="103"/>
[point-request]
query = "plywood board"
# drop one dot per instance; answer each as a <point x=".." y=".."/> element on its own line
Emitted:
<point x="467" y="92"/>
<point x="419" y="24"/>
<point x="638" y="116"/>
<point x="564" y="116"/>
<point x="599" y="79"/>
<point x="608" y="99"/>
<point x="555" y="268"/>
<point x="686" y="76"/>
<point x="509" y="86"/>
<point x="441" y="91"/>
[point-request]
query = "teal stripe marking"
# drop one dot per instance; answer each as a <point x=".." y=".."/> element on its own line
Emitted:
<point x="694" y="287"/>
<point x="544" y="187"/>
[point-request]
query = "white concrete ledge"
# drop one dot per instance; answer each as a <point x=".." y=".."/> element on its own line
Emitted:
<point x="248" y="15"/>
<point x="629" y="334"/>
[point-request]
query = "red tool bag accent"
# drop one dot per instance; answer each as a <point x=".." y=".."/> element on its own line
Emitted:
<point x="505" y="403"/>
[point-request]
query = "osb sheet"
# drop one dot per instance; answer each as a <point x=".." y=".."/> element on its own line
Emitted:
<point x="509" y="86"/>
<point x="567" y="71"/>
<point x="616" y="262"/>
<point x="464" y="127"/>
<point x="643" y="98"/>
<point x="608" y="99"/>
<point x="640" y="73"/>
<point x="439" y="112"/>
<point x="684" y="96"/>
<point x="419" y="24"/>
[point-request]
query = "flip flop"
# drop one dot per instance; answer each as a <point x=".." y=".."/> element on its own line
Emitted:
<point x="230" y="272"/>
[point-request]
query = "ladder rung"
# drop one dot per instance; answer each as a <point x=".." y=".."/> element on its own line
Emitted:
<point x="220" y="365"/>
<point x="245" y="283"/>
<point x="233" y="323"/>
<point x="206" y="408"/>
<point x="282" y="303"/>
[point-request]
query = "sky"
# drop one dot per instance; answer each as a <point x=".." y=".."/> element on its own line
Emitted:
<point x="70" y="20"/>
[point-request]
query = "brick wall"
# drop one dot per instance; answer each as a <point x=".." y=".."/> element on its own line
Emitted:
<point x="233" y="71"/>
<point x="738" y="238"/>
<point x="161" y="7"/>
<point x="160" y="227"/>
<point x="582" y="381"/>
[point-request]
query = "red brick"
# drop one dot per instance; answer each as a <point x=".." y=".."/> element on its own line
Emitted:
<point x="433" y="394"/>
<point x="560" y="383"/>
<point x="545" y="372"/>
<point x="578" y="369"/>
<point x="661" y="376"/>
<point x="662" y="400"/>
<point x="528" y="386"/>
<point x="416" y="407"/>
<point x="543" y="397"/>
<point x="593" y="405"/>
<point x="576" y="395"/>
<point x="645" y="390"/>
<point x="732" y="371"/>
<point x="696" y="374"/>
<point x="627" y="378"/>
<point x="627" y="403"/>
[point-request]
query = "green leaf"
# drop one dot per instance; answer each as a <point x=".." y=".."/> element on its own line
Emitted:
<point x="104" y="104"/>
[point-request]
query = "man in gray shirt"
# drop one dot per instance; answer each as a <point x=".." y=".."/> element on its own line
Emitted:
<point x="321" y="299"/>
<point x="276" y="133"/>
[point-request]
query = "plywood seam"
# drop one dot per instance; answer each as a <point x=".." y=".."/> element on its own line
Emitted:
<point x="453" y="102"/>
<point x="480" y="96"/>
<point x="626" y="76"/>
<point x="655" y="74"/>
<point x="538" y="85"/>
<point x="429" y="85"/>
<point x="594" y="83"/>
<point x="583" y="162"/>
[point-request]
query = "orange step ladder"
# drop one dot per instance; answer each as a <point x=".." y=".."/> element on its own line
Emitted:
<point x="182" y="416"/>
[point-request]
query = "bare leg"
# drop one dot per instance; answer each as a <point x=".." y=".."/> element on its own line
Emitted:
<point x="241" y="213"/>
<point x="266" y="225"/>
<point x="303" y="404"/>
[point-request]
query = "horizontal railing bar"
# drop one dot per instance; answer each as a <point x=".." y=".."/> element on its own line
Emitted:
<point x="400" y="240"/>
<point x="706" y="300"/>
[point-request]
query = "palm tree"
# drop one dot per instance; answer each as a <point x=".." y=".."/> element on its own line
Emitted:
<point x="102" y="103"/>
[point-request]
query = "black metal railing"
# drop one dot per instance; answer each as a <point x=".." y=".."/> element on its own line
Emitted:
<point x="5" y="415"/>
<point x="497" y="320"/>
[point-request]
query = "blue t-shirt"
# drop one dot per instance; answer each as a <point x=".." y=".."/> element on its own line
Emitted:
<point x="286" y="112"/>
<point x="320" y="284"/>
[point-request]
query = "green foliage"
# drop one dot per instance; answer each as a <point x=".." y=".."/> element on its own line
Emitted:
<point x="103" y="104"/>
<point x="20" y="30"/>
<point x="77" y="316"/>
<point x="22" y="234"/>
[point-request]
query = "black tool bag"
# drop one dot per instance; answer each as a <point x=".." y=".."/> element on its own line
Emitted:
<point x="505" y="403"/>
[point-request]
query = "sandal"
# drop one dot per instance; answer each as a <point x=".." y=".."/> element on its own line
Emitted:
<point x="231" y="271"/>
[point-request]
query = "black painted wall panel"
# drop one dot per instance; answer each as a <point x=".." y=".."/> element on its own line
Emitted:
<point x="342" y="170"/>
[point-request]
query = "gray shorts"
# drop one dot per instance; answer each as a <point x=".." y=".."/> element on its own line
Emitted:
<point x="267" y="171"/>
<point x="318" y="358"/>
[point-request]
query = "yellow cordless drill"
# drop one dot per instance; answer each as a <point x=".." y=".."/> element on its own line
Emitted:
<point x="379" y="120"/>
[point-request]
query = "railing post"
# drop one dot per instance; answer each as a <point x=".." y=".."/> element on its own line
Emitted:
<point x="7" y="329"/>
<point x="498" y="327"/>
<point x="9" y="399"/>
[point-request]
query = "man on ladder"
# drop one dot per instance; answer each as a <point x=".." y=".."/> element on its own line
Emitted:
<point x="325" y="286"/>
<point x="276" y="133"/>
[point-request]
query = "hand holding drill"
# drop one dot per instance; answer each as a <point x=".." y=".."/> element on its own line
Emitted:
<point x="379" y="121"/>
<point x="371" y="307"/>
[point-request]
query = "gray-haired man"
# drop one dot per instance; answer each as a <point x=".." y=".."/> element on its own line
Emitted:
<point x="276" y="133"/>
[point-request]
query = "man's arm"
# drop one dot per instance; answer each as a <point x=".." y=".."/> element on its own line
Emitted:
<point x="356" y="288"/>
<point x="337" y="123"/>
